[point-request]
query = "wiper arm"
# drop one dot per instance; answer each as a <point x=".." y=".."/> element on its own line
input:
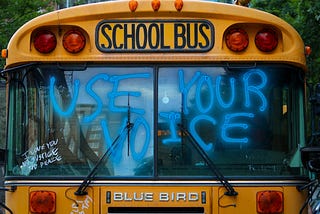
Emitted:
<point x="86" y="182"/>
<point x="5" y="207"/>
<point x="213" y="167"/>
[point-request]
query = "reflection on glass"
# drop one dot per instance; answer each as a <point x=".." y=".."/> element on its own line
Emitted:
<point x="62" y="121"/>
<point x="74" y="117"/>
<point x="237" y="116"/>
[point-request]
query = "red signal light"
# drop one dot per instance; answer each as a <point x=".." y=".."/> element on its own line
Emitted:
<point x="269" y="202"/>
<point x="74" y="41"/>
<point x="42" y="202"/>
<point x="45" y="41"/>
<point x="266" y="40"/>
<point x="237" y="39"/>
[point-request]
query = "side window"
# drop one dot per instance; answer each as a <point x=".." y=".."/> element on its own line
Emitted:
<point x="16" y="128"/>
<point x="3" y="119"/>
<point x="279" y="118"/>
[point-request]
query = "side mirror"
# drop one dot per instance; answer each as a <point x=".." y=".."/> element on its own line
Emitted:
<point x="2" y="156"/>
<point x="310" y="157"/>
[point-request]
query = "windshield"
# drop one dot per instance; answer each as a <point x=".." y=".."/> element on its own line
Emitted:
<point x="63" y="119"/>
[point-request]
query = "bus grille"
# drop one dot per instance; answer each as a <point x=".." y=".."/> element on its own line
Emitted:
<point x="156" y="210"/>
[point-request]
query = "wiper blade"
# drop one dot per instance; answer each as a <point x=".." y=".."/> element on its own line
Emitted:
<point x="86" y="182"/>
<point x="213" y="167"/>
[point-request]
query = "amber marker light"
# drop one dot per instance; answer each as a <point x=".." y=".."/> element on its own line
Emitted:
<point x="42" y="202"/>
<point x="237" y="39"/>
<point x="133" y="4"/>
<point x="74" y="41"/>
<point x="4" y="53"/>
<point x="178" y="4"/>
<point x="266" y="40"/>
<point x="155" y="5"/>
<point x="269" y="202"/>
<point x="45" y="41"/>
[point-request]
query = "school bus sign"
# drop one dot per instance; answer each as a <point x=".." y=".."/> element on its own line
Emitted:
<point x="155" y="36"/>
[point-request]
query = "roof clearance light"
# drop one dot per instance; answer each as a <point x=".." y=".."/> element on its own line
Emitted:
<point x="45" y="41"/>
<point x="237" y="39"/>
<point x="42" y="202"/>
<point x="74" y="41"/>
<point x="266" y="40"/>
<point x="133" y="4"/>
<point x="269" y="202"/>
<point x="155" y="5"/>
<point x="178" y="5"/>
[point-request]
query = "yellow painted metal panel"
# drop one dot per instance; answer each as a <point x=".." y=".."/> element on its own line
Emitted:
<point x="209" y="198"/>
<point x="222" y="16"/>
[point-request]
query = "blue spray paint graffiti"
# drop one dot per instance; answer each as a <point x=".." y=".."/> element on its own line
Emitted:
<point x="229" y="125"/>
<point x="174" y="119"/>
<point x="90" y="91"/>
<point x="204" y="80"/>
<point x="72" y="106"/>
<point x="115" y="93"/>
<point x="206" y="147"/>
<point x="253" y="82"/>
<point x="218" y="92"/>
<point x="255" y="89"/>
<point x="253" y="85"/>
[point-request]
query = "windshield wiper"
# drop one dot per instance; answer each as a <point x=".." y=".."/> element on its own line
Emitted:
<point x="230" y="190"/>
<point x="86" y="182"/>
<point x="126" y="131"/>
<point x="213" y="167"/>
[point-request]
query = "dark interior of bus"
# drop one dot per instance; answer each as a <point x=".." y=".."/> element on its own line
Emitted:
<point x="160" y="121"/>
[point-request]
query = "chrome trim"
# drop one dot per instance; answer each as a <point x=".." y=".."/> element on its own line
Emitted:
<point x="153" y="183"/>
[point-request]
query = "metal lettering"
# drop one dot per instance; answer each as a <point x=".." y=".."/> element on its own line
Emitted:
<point x="163" y="196"/>
<point x="135" y="196"/>
<point x="150" y="196"/>
<point x="181" y="196"/>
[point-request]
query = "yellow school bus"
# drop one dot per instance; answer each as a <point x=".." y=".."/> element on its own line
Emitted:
<point x="156" y="106"/>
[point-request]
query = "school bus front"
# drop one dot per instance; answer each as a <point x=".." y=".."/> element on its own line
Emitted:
<point x="147" y="107"/>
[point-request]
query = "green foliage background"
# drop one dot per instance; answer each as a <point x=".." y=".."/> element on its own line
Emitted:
<point x="304" y="15"/>
<point x="14" y="13"/>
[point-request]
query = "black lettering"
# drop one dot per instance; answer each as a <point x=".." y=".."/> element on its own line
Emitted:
<point x="204" y="35"/>
<point x="129" y="36"/>
<point x="179" y="36"/>
<point x="150" y="36"/>
<point x="153" y="30"/>
<point x="162" y="38"/>
<point x="195" y="36"/>
<point x="106" y="36"/>
<point x="114" y="36"/>
<point x="143" y="29"/>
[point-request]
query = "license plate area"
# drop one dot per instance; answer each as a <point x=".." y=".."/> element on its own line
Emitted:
<point x="156" y="210"/>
